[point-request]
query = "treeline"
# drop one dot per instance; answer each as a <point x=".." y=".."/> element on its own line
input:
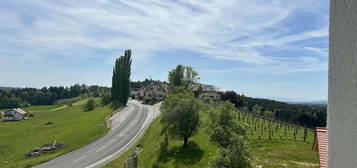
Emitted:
<point x="22" y="97"/>
<point x="306" y="115"/>
<point x="137" y="85"/>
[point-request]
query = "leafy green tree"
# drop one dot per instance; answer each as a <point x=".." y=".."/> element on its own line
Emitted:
<point x="121" y="78"/>
<point x="224" y="125"/>
<point x="180" y="112"/>
<point x="182" y="76"/>
<point x="191" y="76"/>
<point x="258" y="109"/>
<point x="236" y="156"/>
<point x="106" y="99"/>
<point x="75" y="90"/>
<point x="90" y="105"/>
<point x="225" y="130"/>
<point x="233" y="97"/>
<point x="176" y="76"/>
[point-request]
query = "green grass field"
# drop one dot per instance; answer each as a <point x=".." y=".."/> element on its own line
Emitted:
<point x="72" y="126"/>
<point x="275" y="153"/>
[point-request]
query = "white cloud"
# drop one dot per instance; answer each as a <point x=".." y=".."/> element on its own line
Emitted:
<point x="302" y="64"/>
<point x="221" y="29"/>
<point x="322" y="51"/>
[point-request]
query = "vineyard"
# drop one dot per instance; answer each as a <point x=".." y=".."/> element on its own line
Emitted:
<point x="272" y="144"/>
<point x="262" y="128"/>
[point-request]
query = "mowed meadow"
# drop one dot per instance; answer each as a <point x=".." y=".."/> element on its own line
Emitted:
<point x="71" y="126"/>
<point x="282" y="149"/>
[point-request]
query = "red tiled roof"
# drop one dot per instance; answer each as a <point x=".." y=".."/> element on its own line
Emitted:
<point x="322" y="145"/>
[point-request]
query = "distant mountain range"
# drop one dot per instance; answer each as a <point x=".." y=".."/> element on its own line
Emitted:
<point x="298" y="100"/>
<point x="8" y="88"/>
<point x="320" y="102"/>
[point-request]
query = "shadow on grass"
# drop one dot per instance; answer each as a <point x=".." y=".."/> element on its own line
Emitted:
<point x="186" y="155"/>
<point x="115" y="105"/>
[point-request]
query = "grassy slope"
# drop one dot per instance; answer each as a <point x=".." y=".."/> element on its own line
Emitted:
<point x="266" y="153"/>
<point x="72" y="126"/>
<point x="198" y="153"/>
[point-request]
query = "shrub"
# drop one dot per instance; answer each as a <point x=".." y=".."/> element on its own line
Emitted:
<point x="106" y="99"/>
<point x="90" y="105"/>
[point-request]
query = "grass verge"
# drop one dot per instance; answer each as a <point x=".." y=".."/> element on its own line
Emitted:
<point x="275" y="153"/>
<point x="72" y="126"/>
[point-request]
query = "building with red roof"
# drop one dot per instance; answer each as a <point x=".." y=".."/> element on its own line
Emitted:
<point x="321" y="144"/>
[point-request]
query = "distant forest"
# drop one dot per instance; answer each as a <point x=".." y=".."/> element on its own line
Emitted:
<point x="137" y="85"/>
<point x="306" y="115"/>
<point x="22" y="97"/>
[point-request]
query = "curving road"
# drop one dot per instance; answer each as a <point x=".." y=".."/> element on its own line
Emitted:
<point x="127" y="126"/>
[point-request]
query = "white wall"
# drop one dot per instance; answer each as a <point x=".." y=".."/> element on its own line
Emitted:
<point x="342" y="103"/>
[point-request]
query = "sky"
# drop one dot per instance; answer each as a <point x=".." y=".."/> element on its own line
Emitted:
<point x="274" y="49"/>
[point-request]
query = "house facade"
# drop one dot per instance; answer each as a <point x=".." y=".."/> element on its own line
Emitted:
<point x="213" y="95"/>
<point x="14" y="115"/>
<point x="206" y="92"/>
<point x="159" y="91"/>
<point x="135" y="93"/>
<point x="155" y="90"/>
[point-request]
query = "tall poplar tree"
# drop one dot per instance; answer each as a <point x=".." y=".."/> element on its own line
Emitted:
<point x="121" y="78"/>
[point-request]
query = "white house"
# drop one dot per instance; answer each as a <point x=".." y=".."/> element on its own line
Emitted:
<point x="14" y="115"/>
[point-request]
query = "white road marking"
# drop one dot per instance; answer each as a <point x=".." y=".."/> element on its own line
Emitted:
<point x="120" y="135"/>
<point x="100" y="148"/>
<point x="127" y="129"/>
<point x="117" y="152"/>
<point x="111" y="141"/>
<point x="80" y="159"/>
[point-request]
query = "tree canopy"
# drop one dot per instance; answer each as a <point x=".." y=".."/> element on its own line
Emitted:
<point x="182" y="76"/>
<point x="180" y="112"/>
<point x="22" y="97"/>
<point x="229" y="134"/>
<point x="307" y="115"/>
<point x="121" y="78"/>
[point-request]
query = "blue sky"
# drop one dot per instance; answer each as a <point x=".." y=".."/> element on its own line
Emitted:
<point x="273" y="49"/>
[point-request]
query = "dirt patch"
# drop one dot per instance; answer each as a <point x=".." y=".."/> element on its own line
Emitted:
<point x="305" y="164"/>
<point x="45" y="149"/>
<point x="59" y="108"/>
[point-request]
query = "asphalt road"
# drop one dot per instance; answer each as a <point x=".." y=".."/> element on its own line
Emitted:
<point x="108" y="147"/>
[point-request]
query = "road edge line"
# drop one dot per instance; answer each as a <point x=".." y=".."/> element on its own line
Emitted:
<point x="117" y="152"/>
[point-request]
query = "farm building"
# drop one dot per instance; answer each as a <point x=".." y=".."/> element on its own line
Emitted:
<point x="320" y="144"/>
<point x="155" y="90"/>
<point x="14" y="115"/>
<point x="206" y="91"/>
